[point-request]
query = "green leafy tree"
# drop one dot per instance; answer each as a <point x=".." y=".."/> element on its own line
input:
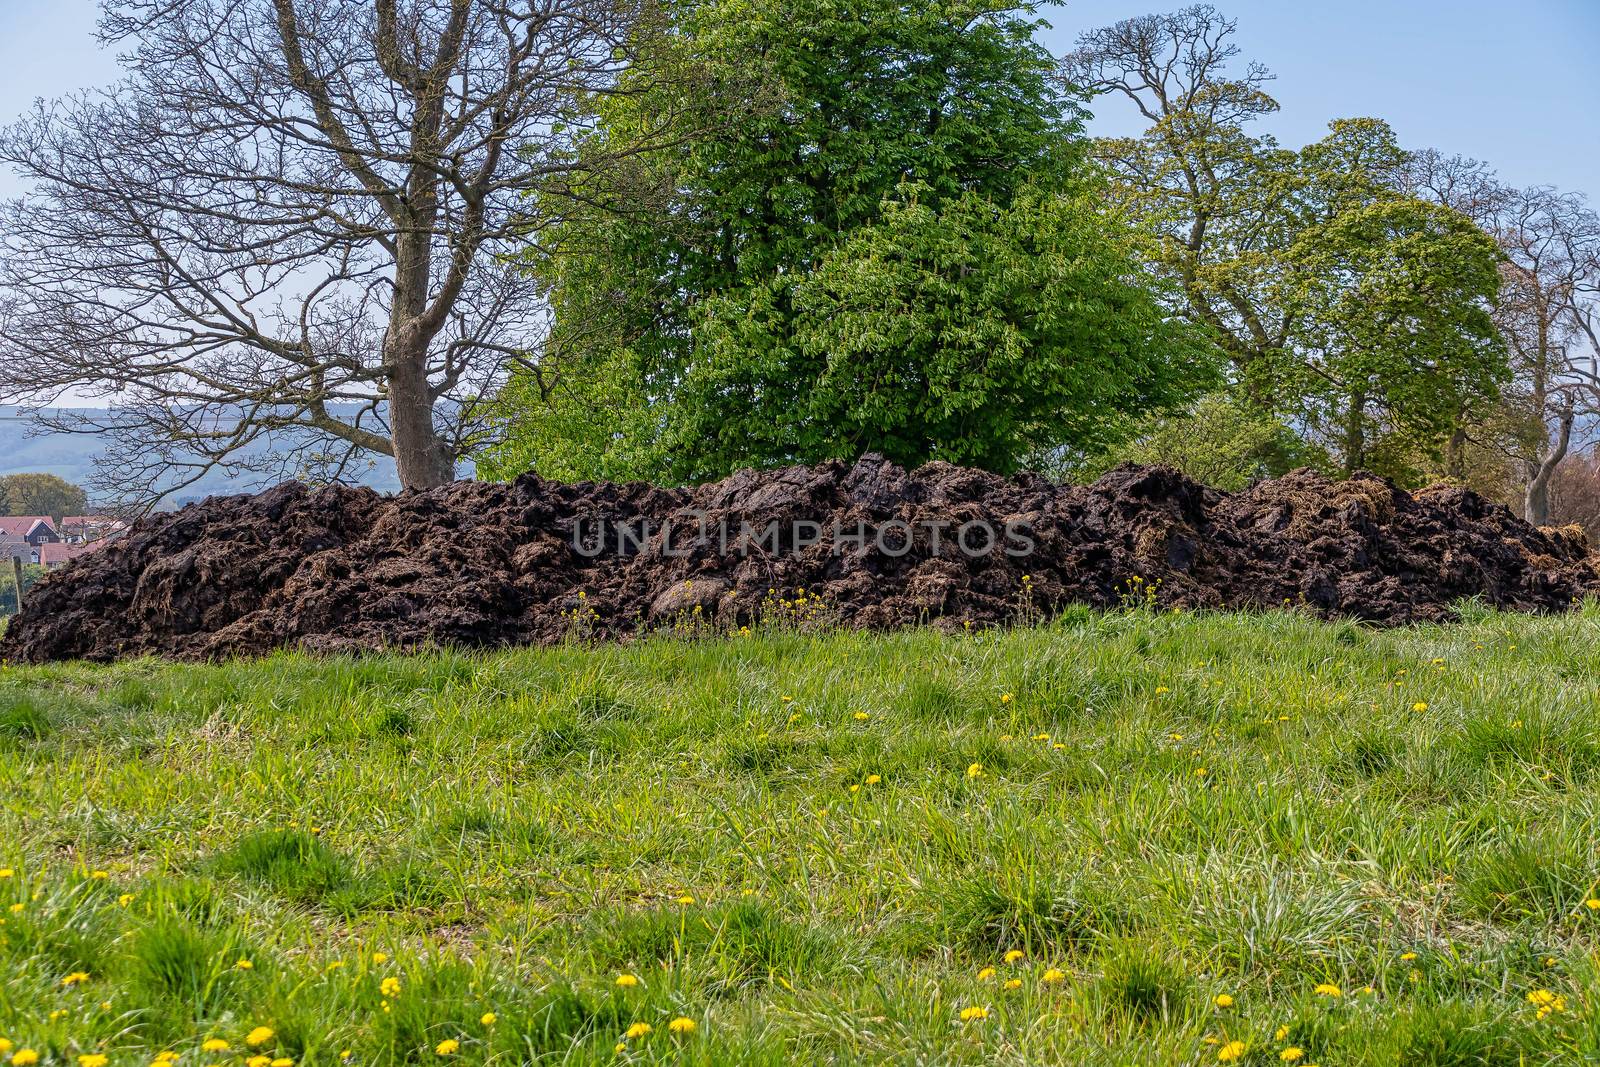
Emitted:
<point x="41" y="494"/>
<point x="1396" y="334"/>
<point x="1354" y="310"/>
<point x="788" y="297"/>
<point x="1221" y="441"/>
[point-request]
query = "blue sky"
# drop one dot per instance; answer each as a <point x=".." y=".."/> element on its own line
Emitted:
<point x="1517" y="85"/>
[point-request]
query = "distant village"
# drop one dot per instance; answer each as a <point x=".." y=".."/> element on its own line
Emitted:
<point x="40" y="540"/>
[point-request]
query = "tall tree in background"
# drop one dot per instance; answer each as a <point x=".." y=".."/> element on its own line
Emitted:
<point x="1357" y="310"/>
<point x="894" y="248"/>
<point x="1548" y="316"/>
<point x="285" y="226"/>
<point x="41" y="494"/>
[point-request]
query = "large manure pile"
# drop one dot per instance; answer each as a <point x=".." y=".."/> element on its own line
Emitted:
<point x="871" y="545"/>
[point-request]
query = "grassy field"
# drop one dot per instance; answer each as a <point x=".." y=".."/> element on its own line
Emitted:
<point x="1125" y="838"/>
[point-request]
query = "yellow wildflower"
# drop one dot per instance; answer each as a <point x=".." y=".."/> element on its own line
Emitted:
<point x="24" y="1057"/>
<point x="448" y="1047"/>
<point x="975" y="770"/>
<point x="93" y="1059"/>
<point x="389" y="987"/>
<point x="1233" y="1050"/>
<point x="974" y="1014"/>
<point x="1328" y="989"/>
<point x="488" y="1018"/>
<point x="213" y="1044"/>
<point x="75" y="978"/>
<point x="681" y="1025"/>
<point x="627" y="981"/>
<point x="1223" y="1000"/>
<point x="1013" y="983"/>
<point x="259" y="1036"/>
<point x="1014" y="955"/>
<point x="985" y="973"/>
<point x="1053" y="977"/>
<point x="638" y="1030"/>
<point x="1291" y="1054"/>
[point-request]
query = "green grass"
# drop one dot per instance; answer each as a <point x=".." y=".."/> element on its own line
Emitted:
<point x="820" y="849"/>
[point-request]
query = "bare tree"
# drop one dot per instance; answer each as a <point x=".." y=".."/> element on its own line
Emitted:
<point x="1548" y="311"/>
<point x="285" y="230"/>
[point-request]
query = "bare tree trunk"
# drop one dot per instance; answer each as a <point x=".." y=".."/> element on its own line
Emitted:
<point x="1355" y="443"/>
<point x="1455" y="455"/>
<point x="1536" y="497"/>
<point x="420" y="454"/>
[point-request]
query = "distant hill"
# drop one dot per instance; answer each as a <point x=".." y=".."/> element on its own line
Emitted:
<point x="71" y="456"/>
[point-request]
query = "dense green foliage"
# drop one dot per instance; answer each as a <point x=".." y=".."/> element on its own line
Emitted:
<point x="878" y="231"/>
<point x="1357" y="311"/>
<point x="41" y="494"/>
<point x="1222" y="441"/>
<point x="816" y="847"/>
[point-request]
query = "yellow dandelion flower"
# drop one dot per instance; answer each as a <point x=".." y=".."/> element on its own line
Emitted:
<point x="380" y="957"/>
<point x="862" y="716"/>
<point x="259" y="1061"/>
<point x="7" y="872"/>
<point x="1593" y="903"/>
<point x="638" y="1030"/>
<point x="245" y="965"/>
<point x="124" y="900"/>
<point x="93" y="1059"/>
<point x="1014" y="955"/>
<point x="1162" y="689"/>
<point x="5" y="1045"/>
<point x="488" y="1018"/>
<point x="75" y="978"/>
<point x="681" y="1025"/>
<point x="1408" y="956"/>
<point x="283" y="1061"/>
<point x="448" y="1047"/>
<point x="259" y="1036"/>
<point x="1223" y="1000"/>
<point x="974" y="1014"/>
<point x="985" y="973"/>
<point x="1233" y="1050"/>
<point x="99" y="876"/>
<point x="1291" y="1054"/>
<point x="1013" y="983"/>
<point x="627" y="981"/>
<point x="24" y="1057"/>
<point x="389" y="987"/>
<point x="874" y="779"/>
<point x="1281" y="1033"/>
<point x="1420" y="706"/>
<point x="1328" y="989"/>
<point x="1006" y="698"/>
<point x="975" y="770"/>
<point x="213" y="1044"/>
<point x="1053" y="977"/>
<point x="686" y="899"/>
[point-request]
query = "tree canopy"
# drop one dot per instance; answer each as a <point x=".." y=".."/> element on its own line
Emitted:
<point x="889" y="240"/>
